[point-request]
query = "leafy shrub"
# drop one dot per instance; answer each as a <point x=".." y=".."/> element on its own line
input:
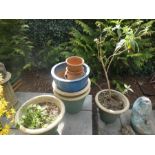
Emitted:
<point x="42" y="30"/>
<point x="46" y="35"/>
<point x="82" y="44"/>
<point x="15" y="46"/>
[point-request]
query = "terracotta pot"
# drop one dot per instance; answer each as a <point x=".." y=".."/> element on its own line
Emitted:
<point x="75" y="64"/>
<point x="73" y="75"/>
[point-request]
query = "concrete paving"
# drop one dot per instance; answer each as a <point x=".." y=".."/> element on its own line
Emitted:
<point x="115" y="128"/>
<point x="72" y="124"/>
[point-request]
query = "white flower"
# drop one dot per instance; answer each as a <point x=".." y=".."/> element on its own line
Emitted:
<point x="96" y="40"/>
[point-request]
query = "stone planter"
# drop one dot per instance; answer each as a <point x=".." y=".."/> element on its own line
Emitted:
<point x="8" y="91"/>
<point x="66" y="85"/>
<point x="108" y="115"/>
<point x="72" y="103"/>
<point x="51" y="128"/>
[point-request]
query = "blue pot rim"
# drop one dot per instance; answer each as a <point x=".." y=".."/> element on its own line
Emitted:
<point x="66" y="80"/>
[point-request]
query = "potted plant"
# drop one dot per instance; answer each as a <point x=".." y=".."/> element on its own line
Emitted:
<point x="40" y="115"/>
<point x="112" y="103"/>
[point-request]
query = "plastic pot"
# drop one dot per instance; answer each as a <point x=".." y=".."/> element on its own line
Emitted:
<point x="108" y="115"/>
<point x="72" y="104"/>
<point x="51" y="128"/>
<point x="66" y="85"/>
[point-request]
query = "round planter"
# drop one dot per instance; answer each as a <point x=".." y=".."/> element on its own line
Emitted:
<point x="66" y="94"/>
<point x="66" y="85"/>
<point x="51" y="128"/>
<point x="72" y="104"/>
<point x="73" y="75"/>
<point x="108" y="115"/>
<point x="75" y="64"/>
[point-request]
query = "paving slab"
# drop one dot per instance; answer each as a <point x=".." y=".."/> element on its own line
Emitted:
<point x="24" y="96"/>
<point x="115" y="128"/>
<point x="109" y="129"/>
<point x="72" y="124"/>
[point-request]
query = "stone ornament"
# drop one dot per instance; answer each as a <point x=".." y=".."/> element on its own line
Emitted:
<point x="141" y="116"/>
<point x="8" y="91"/>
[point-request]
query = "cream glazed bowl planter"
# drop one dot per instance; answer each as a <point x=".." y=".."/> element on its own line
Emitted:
<point x="51" y="128"/>
<point x="73" y="104"/>
<point x="108" y="115"/>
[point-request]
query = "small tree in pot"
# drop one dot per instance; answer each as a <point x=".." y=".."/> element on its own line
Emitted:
<point x="112" y="103"/>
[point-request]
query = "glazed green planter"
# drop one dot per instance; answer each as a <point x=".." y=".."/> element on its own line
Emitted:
<point x="51" y="128"/>
<point x="73" y="104"/>
<point x="108" y="115"/>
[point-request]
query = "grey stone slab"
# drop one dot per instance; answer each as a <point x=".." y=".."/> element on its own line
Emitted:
<point x="109" y="129"/>
<point x="16" y="132"/>
<point x="75" y="124"/>
<point x="115" y="128"/>
<point x="87" y="105"/>
<point x="72" y="124"/>
<point x="125" y="117"/>
<point x="24" y="96"/>
<point x="78" y="124"/>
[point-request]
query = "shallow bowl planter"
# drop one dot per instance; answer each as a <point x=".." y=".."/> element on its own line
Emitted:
<point x="75" y="64"/>
<point x="51" y="128"/>
<point x="66" y="85"/>
<point x="108" y="115"/>
<point x="72" y="104"/>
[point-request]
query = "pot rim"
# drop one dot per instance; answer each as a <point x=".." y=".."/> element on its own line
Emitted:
<point x="127" y="104"/>
<point x="51" y="125"/>
<point x="75" y="65"/>
<point x="68" y="98"/>
<point x="66" y="80"/>
<point x="72" y="94"/>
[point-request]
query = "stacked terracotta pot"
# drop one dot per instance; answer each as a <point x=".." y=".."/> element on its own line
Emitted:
<point x="74" y="69"/>
<point x="75" y="85"/>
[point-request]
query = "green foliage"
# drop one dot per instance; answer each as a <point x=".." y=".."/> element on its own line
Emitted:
<point x="50" y="55"/>
<point x="42" y="30"/>
<point x="35" y="116"/>
<point x="130" y="62"/>
<point x="122" y="87"/>
<point x="134" y="62"/>
<point x="15" y="46"/>
<point x="82" y="44"/>
<point x="46" y="35"/>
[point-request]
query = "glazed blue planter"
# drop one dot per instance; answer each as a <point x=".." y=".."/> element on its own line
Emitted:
<point x="69" y="85"/>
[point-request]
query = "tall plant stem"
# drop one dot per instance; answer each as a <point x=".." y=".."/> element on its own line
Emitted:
<point x="106" y="76"/>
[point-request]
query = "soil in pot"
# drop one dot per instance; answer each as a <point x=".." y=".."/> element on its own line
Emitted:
<point x="39" y="115"/>
<point x="113" y="103"/>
